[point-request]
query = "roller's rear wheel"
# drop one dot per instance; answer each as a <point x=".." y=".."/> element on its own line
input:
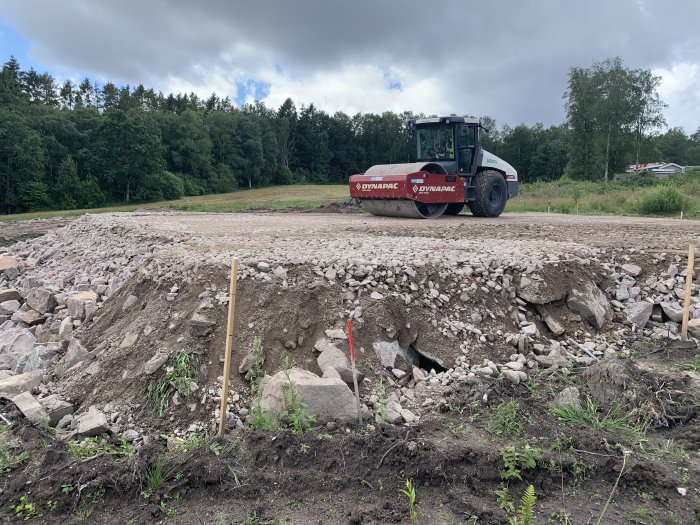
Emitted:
<point x="491" y="194"/>
<point x="454" y="209"/>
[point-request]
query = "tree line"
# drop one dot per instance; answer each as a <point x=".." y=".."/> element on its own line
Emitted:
<point x="76" y="146"/>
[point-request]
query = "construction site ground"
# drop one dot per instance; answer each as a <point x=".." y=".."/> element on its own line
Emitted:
<point x="455" y="291"/>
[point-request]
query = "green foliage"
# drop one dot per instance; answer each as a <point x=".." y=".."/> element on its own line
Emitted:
<point x="409" y="492"/>
<point x="383" y="401"/>
<point x="664" y="200"/>
<point x="617" y="420"/>
<point x="516" y="460"/>
<point x="95" y="446"/>
<point x="179" y="379"/>
<point x="155" y="476"/>
<point x="35" y="196"/>
<point x="526" y="512"/>
<point x="295" y="416"/>
<point x="507" y="420"/>
<point x="9" y="459"/>
<point x="25" y="510"/>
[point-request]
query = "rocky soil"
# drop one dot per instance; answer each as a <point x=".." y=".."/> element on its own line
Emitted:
<point x="451" y="318"/>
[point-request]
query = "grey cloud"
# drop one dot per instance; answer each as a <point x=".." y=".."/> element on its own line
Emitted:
<point x="509" y="59"/>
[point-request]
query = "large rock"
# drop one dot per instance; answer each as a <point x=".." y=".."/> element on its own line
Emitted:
<point x="673" y="311"/>
<point x="81" y="305"/>
<point x="694" y="327"/>
<point x="570" y="396"/>
<point x="14" y="385"/>
<point x="590" y="303"/>
<point x="30" y="317"/>
<point x="91" y="423"/>
<point x="7" y="262"/>
<point x="632" y="269"/>
<point x="327" y="399"/>
<point x="9" y="294"/>
<point x="56" y="408"/>
<point x="333" y="357"/>
<point x="541" y="291"/>
<point x="41" y="300"/>
<point x="36" y="360"/>
<point x="15" y="345"/>
<point x="640" y="313"/>
<point x="75" y="353"/>
<point x="9" y="307"/>
<point x="31" y="408"/>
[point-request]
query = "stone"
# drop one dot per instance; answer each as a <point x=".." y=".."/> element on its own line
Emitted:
<point x="75" y="353"/>
<point x="30" y="317"/>
<point x="247" y="363"/>
<point x="331" y="372"/>
<point x="694" y="327"/>
<point x="129" y="302"/>
<point x="333" y="357"/>
<point x="336" y="333"/>
<point x="7" y="262"/>
<point x="64" y="422"/>
<point x="65" y="329"/>
<point x="9" y="294"/>
<point x="632" y="269"/>
<point x="398" y="373"/>
<point x="129" y="340"/>
<point x="9" y="307"/>
<point x="131" y="435"/>
<point x="56" y="408"/>
<point x="590" y="303"/>
<point x="376" y="296"/>
<point x="19" y="383"/>
<point x="31" y="408"/>
<point x="91" y="423"/>
<point x="41" y="300"/>
<point x="35" y="360"/>
<point x="640" y="313"/>
<point x="570" y="396"/>
<point x="408" y="416"/>
<point x="419" y="375"/>
<point x="201" y="321"/>
<point x="327" y="399"/>
<point x="154" y="363"/>
<point x="80" y="304"/>
<point x="15" y="345"/>
<point x="673" y="311"/>
<point x="514" y="376"/>
<point x="529" y="329"/>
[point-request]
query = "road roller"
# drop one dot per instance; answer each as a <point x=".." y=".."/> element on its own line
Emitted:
<point x="451" y="170"/>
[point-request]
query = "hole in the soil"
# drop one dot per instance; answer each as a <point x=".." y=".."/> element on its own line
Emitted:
<point x="389" y="351"/>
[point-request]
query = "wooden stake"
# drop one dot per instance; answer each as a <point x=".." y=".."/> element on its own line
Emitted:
<point x="229" y="344"/>
<point x="688" y="286"/>
<point x="351" y="343"/>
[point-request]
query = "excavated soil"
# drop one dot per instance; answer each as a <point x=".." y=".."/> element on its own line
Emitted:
<point x="289" y="296"/>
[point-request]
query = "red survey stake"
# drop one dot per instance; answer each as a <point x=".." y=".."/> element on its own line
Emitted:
<point x="350" y="341"/>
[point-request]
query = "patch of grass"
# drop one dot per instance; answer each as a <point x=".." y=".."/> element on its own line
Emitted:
<point x="94" y="446"/>
<point x="84" y="514"/>
<point x="617" y="420"/>
<point x="179" y="379"/>
<point x="274" y="198"/>
<point x="155" y="476"/>
<point x="383" y="401"/>
<point x="507" y="420"/>
<point x="672" y="449"/>
<point x="9" y="458"/>
<point x="691" y="367"/>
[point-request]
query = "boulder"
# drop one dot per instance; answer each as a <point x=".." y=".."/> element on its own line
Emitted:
<point x="155" y="362"/>
<point x="65" y="329"/>
<point x="31" y="408"/>
<point x="81" y="304"/>
<point x="336" y="333"/>
<point x="15" y="344"/>
<point x="9" y="307"/>
<point x="56" y="408"/>
<point x="19" y="383"/>
<point x="7" y="262"/>
<point x="590" y="303"/>
<point x="327" y="399"/>
<point x="694" y="327"/>
<point x="91" y="423"/>
<point x="75" y="353"/>
<point x="36" y="359"/>
<point x="640" y="313"/>
<point x="30" y="317"/>
<point x="673" y="311"/>
<point x="333" y="357"/>
<point x="41" y="300"/>
<point x="568" y="397"/>
<point x="9" y="294"/>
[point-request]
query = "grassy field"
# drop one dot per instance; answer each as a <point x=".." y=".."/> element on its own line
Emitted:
<point x="647" y="198"/>
<point x="273" y="198"/>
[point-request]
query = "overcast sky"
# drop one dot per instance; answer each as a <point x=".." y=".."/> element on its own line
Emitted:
<point x="508" y="59"/>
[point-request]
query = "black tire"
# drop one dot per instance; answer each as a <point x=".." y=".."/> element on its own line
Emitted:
<point x="491" y="194"/>
<point x="454" y="209"/>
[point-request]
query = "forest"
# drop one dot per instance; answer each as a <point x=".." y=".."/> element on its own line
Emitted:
<point x="65" y="145"/>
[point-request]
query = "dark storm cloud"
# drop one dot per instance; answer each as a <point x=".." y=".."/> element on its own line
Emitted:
<point x="509" y="59"/>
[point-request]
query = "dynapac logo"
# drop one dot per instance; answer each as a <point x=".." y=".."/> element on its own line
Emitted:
<point x="377" y="186"/>
<point x="425" y="189"/>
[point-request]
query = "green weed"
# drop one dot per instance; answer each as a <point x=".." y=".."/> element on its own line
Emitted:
<point x="516" y="460"/>
<point x="409" y="491"/>
<point x="383" y="401"/>
<point x="95" y="446"/>
<point x="9" y="459"/>
<point x="25" y="510"/>
<point x="179" y="379"/>
<point x="507" y="420"/>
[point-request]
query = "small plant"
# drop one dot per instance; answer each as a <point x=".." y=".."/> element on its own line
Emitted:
<point x="25" y="509"/>
<point x="514" y="461"/>
<point x="526" y="512"/>
<point x="664" y="200"/>
<point x="409" y="491"/>
<point x="304" y="448"/>
<point x="155" y="476"/>
<point x="295" y="416"/>
<point x="562" y="517"/>
<point x="179" y="379"/>
<point x="94" y="446"/>
<point x="691" y="367"/>
<point x="52" y="505"/>
<point x="383" y="402"/>
<point x="10" y="460"/>
<point x="507" y="421"/>
<point x="257" y="370"/>
<point x="67" y="489"/>
<point x="504" y="500"/>
<point x="82" y="515"/>
<point x="617" y="420"/>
